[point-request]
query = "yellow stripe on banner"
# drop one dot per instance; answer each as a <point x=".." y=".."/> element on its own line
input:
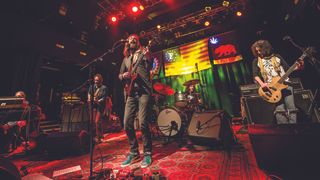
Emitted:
<point x="190" y="54"/>
<point x="227" y="60"/>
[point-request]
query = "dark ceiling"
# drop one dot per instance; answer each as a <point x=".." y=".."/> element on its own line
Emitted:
<point x="85" y="25"/>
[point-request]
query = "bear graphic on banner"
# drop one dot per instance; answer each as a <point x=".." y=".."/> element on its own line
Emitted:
<point x="225" y="50"/>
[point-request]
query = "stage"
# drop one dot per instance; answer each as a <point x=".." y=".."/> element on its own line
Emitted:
<point x="170" y="160"/>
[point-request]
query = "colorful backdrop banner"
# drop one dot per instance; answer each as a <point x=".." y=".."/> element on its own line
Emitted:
<point x="184" y="59"/>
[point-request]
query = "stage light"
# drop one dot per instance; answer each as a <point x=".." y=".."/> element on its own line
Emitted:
<point x="82" y="53"/>
<point x="207" y="23"/>
<point x="239" y="13"/>
<point x="141" y="7"/>
<point x="58" y="45"/>
<point x="114" y="19"/>
<point x="225" y="3"/>
<point x="207" y="8"/>
<point x="158" y="26"/>
<point x="134" y="9"/>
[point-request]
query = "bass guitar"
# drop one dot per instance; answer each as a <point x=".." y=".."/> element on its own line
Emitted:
<point x="272" y="94"/>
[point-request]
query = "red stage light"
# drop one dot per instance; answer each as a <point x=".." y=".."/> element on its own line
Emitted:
<point x="134" y="9"/>
<point x="114" y="19"/>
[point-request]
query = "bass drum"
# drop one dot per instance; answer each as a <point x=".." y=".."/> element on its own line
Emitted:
<point x="170" y="121"/>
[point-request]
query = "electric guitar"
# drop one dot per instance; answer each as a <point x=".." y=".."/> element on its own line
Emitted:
<point x="133" y="70"/>
<point x="273" y="93"/>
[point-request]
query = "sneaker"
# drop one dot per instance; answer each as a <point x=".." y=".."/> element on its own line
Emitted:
<point x="146" y="161"/>
<point x="130" y="159"/>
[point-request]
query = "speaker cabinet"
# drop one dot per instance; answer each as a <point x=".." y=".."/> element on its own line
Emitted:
<point x="210" y="128"/>
<point x="303" y="100"/>
<point x="75" y="117"/>
<point x="63" y="143"/>
<point x="288" y="150"/>
<point x="259" y="111"/>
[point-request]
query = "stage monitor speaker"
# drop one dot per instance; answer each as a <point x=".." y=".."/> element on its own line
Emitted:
<point x="8" y="170"/>
<point x="65" y="143"/>
<point x="211" y="128"/>
<point x="289" y="150"/>
<point x="258" y="111"/>
<point x="75" y="117"/>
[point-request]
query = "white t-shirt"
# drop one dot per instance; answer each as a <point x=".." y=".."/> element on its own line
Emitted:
<point x="271" y="72"/>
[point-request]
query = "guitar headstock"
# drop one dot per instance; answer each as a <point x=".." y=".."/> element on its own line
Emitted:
<point x="307" y="52"/>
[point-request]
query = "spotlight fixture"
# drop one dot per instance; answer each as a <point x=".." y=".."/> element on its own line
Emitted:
<point x="58" y="45"/>
<point x="82" y="53"/>
<point x="239" y="13"/>
<point x="134" y="9"/>
<point x="206" y="23"/>
<point x="114" y="19"/>
<point x="225" y="3"/>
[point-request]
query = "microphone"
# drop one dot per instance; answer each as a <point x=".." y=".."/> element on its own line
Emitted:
<point x="286" y="38"/>
<point x="198" y="126"/>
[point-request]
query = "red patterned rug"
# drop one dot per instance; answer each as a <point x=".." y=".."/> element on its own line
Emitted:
<point x="170" y="161"/>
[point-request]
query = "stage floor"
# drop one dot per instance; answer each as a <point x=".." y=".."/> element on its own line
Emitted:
<point x="170" y="160"/>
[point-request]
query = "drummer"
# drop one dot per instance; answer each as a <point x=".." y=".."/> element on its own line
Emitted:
<point x="192" y="97"/>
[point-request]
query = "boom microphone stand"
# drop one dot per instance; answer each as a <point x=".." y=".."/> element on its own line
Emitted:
<point x="315" y="63"/>
<point x="91" y="66"/>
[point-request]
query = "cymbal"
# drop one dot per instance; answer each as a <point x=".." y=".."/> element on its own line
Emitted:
<point x="191" y="82"/>
<point x="163" y="89"/>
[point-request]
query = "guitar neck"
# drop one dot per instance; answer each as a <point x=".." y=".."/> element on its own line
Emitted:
<point x="134" y="69"/>
<point x="286" y="75"/>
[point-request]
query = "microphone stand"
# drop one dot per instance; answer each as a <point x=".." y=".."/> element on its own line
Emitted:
<point x="316" y="64"/>
<point x="201" y="86"/>
<point x="91" y="66"/>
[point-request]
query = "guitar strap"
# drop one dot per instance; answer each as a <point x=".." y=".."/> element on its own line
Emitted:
<point x="274" y="63"/>
<point x="96" y="93"/>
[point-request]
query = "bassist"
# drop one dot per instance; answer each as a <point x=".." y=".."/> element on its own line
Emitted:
<point x="137" y="62"/>
<point x="267" y="66"/>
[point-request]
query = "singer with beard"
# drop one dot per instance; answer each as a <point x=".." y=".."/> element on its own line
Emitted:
<point x="267" y="65"/>
<point x="138" y="99"/>
<point x="99" y="107"/>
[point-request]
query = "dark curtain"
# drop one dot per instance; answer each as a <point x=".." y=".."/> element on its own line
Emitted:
<point x="26" y="73"/>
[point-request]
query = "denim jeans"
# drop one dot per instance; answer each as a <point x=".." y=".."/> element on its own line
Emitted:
<point x="286" y="112"/>
<point x="141" y="102"/>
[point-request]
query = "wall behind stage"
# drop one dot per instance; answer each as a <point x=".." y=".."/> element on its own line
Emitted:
<point x="221" y="69"/>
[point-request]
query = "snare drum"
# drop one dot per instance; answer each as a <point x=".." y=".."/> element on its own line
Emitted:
<point x="180" y="100"/>
<point x="171" y="120"/>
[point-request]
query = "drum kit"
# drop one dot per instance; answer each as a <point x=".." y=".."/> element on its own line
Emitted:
<point x="172" y="121"/>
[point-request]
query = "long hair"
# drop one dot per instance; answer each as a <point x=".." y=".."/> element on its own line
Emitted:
<point x="264" y="46"/>
<point x="126" y="50"/>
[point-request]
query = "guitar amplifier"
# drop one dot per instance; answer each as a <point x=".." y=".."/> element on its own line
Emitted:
<point x="251" y="90"/>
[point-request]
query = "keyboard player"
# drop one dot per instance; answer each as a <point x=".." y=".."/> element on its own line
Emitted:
<point x="10" y="131"/>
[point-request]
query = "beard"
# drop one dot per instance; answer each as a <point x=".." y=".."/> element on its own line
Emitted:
<point x="133" y="46"/>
